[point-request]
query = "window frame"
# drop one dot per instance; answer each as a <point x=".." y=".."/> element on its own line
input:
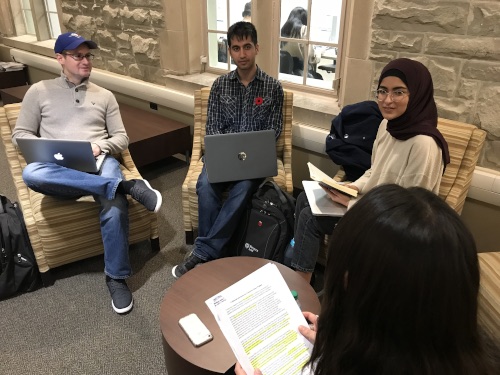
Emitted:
<point x="39" y="16"/>
<point x="276" y="25"/>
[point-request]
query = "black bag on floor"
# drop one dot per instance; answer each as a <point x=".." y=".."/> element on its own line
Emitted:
<point x="18" y="269"/>
<point x="266" y="227"/>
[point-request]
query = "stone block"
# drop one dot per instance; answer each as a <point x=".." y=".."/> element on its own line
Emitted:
<point x="145" y="50"/>
<point x="157" y="19"/>
<point x="426" y="16"/>
<point x="137" y="71"/>
<point x="106" y="39"/>
<point x="154" y="4"/>
<point x="382" y="56"/>
<point x="70" y="7"/>
<point x="445" y="75"/>
<point x="475" y="48"/>
<point x="481" y="70"/>
<point x="455" y="109"/>
<point x="125" y="56"/>
<point x="394" y="41"/>
<point x="488" y="108"/>
<point x="491" y="154"/>
<point x="116" y="66"/>
<point x="136" y="16"/>
<point x="467" y="89"/>
<point x="485" y="19"/>
<point x="145" y="31"/>
<point x="111" y="17"/>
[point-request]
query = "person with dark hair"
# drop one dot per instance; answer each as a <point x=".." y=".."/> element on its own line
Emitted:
<point x="401" y="291"/>
<point x="72" y="107"/>
<point x="296" y="27"/>
<point x="246" y="99"/>
<point x="247" y="12"/>
<point x="408" y="150"/>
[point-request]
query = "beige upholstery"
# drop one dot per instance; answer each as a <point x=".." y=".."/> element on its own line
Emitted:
<point x="64" y="231"/>
<point x="489" y="294"/>
<point x="283" y="148"/>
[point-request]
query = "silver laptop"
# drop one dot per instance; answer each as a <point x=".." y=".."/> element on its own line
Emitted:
<point x="240" y="156"/>
<point x="67" y="153"/>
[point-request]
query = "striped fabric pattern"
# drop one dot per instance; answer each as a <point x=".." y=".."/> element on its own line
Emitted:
<point x="465" y="142"/>
<point x="489" y="294"/>
<point x="283" y="151"/>
<point x="64" y="231"/>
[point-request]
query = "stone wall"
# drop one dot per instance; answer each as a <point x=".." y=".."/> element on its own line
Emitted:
<point x="459" y="41"/>
<point x="127" y="32"/>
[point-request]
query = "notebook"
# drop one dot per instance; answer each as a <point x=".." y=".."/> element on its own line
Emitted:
<point x="320" y="203"/>
<point x="240" y="156"/>
<point x="67" y="153"/>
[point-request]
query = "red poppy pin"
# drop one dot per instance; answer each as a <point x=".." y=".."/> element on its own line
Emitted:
<point x="258" y="100"/>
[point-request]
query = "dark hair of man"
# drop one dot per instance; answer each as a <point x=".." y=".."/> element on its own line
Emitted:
<point x="401" y="288"/>
<point x="241" y="30"/>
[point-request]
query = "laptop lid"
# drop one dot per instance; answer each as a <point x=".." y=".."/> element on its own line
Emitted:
<point x="240" y="156"/>
<point x="67" y="153"/>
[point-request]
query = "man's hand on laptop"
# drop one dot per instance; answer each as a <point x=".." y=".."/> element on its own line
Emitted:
<point x="96" y="150"/>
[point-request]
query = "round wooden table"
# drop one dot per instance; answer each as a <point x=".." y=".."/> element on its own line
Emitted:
<point x="188" y="295"/>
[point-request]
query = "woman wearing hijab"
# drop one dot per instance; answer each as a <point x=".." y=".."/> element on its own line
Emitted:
<point x="409" y="151"/>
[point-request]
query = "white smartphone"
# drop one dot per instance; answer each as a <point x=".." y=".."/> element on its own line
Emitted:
<point x="195" y="330"/>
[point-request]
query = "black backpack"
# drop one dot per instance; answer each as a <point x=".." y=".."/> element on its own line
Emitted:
<point x="18" y="269"/>
<point x="266" y="227"/>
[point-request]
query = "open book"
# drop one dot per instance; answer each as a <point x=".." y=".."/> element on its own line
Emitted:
<point x="318" y="175"/>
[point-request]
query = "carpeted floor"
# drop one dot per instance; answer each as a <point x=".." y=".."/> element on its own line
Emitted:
<point x="70" y="327"/>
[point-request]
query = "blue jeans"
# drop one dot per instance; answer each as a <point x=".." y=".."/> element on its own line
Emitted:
<point x="52" y="179"/>
<point x="218" y="220"/>
<point x="308" y="235"/>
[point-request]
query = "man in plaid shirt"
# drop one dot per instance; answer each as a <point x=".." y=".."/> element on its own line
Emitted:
<point x="246" y="99"/>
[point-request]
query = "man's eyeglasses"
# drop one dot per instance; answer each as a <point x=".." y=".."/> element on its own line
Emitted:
<point x="80" y="56"/>
<point x="396" y="95"/>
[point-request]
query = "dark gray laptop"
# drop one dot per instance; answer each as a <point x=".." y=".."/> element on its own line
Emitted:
<point x="240" y="156"/>
<point x="67" y="153"/>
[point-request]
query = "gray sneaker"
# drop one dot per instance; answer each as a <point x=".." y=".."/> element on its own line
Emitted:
<point x="188" y="264"/>
<point x="121" y="297"/>
<point x="143" y="193"/>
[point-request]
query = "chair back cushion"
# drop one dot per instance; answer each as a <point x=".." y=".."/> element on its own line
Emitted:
<point x="465" y="142"/>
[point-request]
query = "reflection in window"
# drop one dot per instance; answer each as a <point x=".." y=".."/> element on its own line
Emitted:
<point x="314" y="58"/>
<point x="221" y="14"/>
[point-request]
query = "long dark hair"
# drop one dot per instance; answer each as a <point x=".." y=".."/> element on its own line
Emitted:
<point x="293" y="25"/>
<point x="401" y="288"/>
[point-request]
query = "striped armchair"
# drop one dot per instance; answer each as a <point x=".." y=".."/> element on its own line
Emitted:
<point x="64" y="231"/>
<point x="283" y="151"/>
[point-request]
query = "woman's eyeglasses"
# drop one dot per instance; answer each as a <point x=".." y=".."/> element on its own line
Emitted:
<point x="80" y="56"/>
<point x="396" y="95"/>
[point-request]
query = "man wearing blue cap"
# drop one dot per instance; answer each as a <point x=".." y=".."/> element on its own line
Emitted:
<point x="71" y="107"/>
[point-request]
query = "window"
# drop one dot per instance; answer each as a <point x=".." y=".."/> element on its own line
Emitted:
<point x="53" y="18"/>
<point x="38" y="19"/>
<point x="312" y="61"/>
<point x="220" y="15"/>
<point x="27" y="17"/>
<point x="307" y="39"/>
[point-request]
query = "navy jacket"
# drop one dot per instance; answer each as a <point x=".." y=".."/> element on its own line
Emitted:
<point x="351" y="137"/>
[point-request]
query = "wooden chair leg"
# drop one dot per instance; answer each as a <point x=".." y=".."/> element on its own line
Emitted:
<point x="189" y="237"/>
<point x="47" y="278"/>
<point x="155" y="244"/>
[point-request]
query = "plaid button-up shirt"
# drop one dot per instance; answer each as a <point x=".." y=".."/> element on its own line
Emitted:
<point x="234" y="108"/>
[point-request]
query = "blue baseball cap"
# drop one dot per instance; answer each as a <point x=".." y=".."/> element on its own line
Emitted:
<point x="69" y="41"/>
